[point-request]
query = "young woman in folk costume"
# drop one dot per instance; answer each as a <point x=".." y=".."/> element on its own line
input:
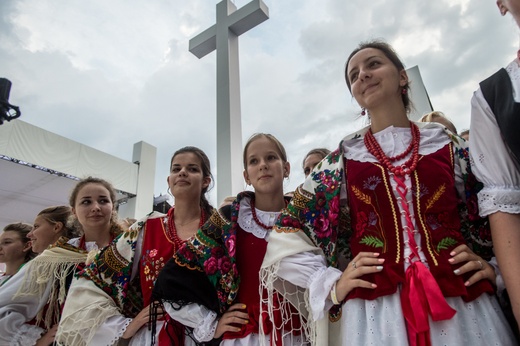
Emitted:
<point x="376" y="237"/>
<point x="495" y="150"/>
<point x="112" y="295"/>
<point x="31" y="302"/>
<point x="15" y="249"/>
<point x="215" y="275"/>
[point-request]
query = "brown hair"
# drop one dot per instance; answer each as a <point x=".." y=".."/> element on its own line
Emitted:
<point x="23" y="230"/>
<point x="115" y="228"/>
<point x="391" y="54"/>
<point x="317" y="151"/>
<point x="206" y="173"/>
<point x="273" y="139"/>
<point x="62" y="214"/>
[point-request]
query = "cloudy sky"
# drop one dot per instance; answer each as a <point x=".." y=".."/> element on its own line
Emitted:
<point x="111" y="73"/>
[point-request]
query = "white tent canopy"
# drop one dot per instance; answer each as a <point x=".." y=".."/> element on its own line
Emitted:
<point x="38" y="169"/>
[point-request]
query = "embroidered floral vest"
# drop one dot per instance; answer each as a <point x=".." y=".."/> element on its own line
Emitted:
<point x="376" y="223"/>
<point x="157" y="249"/>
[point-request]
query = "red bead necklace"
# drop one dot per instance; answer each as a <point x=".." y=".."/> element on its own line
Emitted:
<point x="171" y="231"/>
<point x="407" y="167"/>
<point x="255" y="217"/>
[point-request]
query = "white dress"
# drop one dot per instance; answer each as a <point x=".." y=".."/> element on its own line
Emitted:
<point x="15" y="313"/>
<point x="381" y="321"/>
<point x="492" y="165"/>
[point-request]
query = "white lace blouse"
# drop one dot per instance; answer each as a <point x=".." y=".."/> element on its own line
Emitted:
<point x="491" y="159"/>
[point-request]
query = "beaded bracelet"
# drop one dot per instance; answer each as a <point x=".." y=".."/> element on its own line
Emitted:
<point x="333" y="295"/>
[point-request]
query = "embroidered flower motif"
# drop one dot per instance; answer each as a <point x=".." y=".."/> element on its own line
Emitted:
<point x="230" y="244"/>
<point x="146" y="270"/>
<point x="321" y="227"/>
<point x="217" y="252"/>
<point x="153" y="253"/>
<point x="321" y="200"/>
<point x="432" y="222"/>
<point x="224" y="264"/>
<point x="371" y="183"/>
<point x="361" y="224"/>
<point x="372" y="219"/>
<point x="423" y="190"/>
<point x="211" y="265"/>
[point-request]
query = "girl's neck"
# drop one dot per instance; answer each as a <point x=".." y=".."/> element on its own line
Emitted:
<point x="12" y="268"/>
<point x="102" y="238"/>
<point x="388" y="115"/>
<point x="186" y="210"/>
<point x="269" y="202"/>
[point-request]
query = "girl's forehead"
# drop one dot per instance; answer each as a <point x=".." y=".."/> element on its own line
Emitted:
<point x="186" y="158"/>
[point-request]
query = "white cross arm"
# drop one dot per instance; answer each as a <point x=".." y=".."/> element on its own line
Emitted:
<point x="238" y="22"/>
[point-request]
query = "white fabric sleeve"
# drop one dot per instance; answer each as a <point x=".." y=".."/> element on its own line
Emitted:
<point x="202" y="320"/>
<point x="492" y="162"/>
<point x="15" y="313"/>
<point x="309" y="271"/>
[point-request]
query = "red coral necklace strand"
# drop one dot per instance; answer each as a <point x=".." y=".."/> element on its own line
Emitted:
<point x="172" y="230"/>
<point x="406" y="168"/>
<point x="255" y="217"/>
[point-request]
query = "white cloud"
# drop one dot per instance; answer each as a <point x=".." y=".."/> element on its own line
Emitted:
<point x="109" y="74"/>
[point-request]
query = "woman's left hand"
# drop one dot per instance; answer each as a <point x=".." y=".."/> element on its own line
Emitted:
<point x="482" y="269"/>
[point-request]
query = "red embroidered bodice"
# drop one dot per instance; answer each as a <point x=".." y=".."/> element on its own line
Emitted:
<point x="376" y="223"/>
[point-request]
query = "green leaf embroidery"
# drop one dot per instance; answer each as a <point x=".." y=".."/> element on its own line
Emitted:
<point x="371" y="241"/>
<point x="445" y="243"/>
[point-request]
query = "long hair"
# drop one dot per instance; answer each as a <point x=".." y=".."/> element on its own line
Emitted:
<point x="206" y="173"/>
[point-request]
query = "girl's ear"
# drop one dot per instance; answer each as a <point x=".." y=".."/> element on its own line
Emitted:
<point x="205" y="182"/>
<point x="58" y="227"/>
<point x="246" y="177"/>
<point x="403" y="78"/>
<point x="27" y="247"/>
<point x="286" y="169"/>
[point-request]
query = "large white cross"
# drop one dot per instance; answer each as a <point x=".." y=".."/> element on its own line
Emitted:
<point x="223" y="37"/>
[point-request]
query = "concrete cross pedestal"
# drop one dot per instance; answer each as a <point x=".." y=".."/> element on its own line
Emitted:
<point x="223" y="37"/>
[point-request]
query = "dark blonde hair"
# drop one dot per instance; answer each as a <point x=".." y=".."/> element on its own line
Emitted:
<point x="270" y="137"/>
<point x="391" y="54"/>
<point x="438" y="117"/>
<point x="322" y="152"/>
<point x="61" y="214"/>
<point x="115" y="228"/>
<point x="22" y="229"/>
<point x="206" y="173"/>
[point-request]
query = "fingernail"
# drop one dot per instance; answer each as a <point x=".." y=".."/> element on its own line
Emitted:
<point x="374" y="285"/>
<point x="247" y="321"/>
<point x="381" y="260"/>
<point x="376" y="253"/>
<point x="379" y="267"/>
<point x="456" y="271"/>
<point x="451" y="260"/>
<point x="453" y="253"/>
<point x="244" y="306"/>
<point x="466" y="283"/>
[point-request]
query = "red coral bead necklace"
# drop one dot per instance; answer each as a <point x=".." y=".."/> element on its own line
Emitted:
<point x="172" y="230"/>
<point x="407" y="167"/>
